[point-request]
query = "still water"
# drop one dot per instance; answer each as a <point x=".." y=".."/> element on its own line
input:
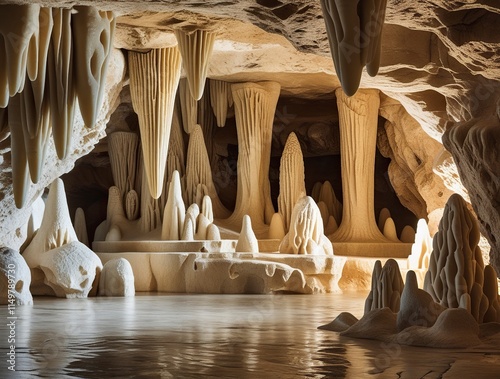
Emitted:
<point x="215" y="336"/>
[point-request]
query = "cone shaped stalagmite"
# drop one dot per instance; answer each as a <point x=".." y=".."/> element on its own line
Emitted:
<point x="175" y="211"/>
<point x="292" y="178"/>
<point x="198" y="172"/>
<point x="93" y="40"/>
<point x="196" y="46"/>
<point x="354" y="30"/>
<point x="255" y="105"/>
<point x="154" y="78"/>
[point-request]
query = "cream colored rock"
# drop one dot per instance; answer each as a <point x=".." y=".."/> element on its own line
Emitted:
<point x="189" y="107"/>
<point x="199" y="172"/>
<point x="70" y="269"/>
<point x="123" y="158"/>
<point x="56" y="229"/>
<point x="276" y="227"/>
<point x="389" y="230"/>
<point x="202" y="224"/>
<point x="117" y="279"/>
<point x="387" y="286"/>
<point x="358" y="132"/>
<point x="306" y="231"/>
<point x="174" y="213"/>
<point x="247" y="242"/>
<point x="176" y="157"/>
<point x="254" y="105"/>
<point x="292" y="179"/>
<point x="154" y="78"/>
<point x="196" y="47"/>
<point x="221" y="100"/>
<point x="80" y="225"/>
<point x="132" y="205"/>
<point x="93" y="31"/>
<point x="456" y="267"/>
<point x="327" y="196"/>
<point x="213" y="233"/>
<point x="355" y="33"/>
<point x="15" y="279"/>
<point x="382" y="218"/>
<point x="207" y="209"/>
<point x="150" y="207"/>
<point x="36" y="217"/>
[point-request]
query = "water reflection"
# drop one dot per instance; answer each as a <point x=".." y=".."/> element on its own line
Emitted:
<point x="208" y="336"/>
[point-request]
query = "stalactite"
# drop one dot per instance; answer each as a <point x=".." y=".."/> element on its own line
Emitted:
<point x="206" y="120"/>
<point x="154" y="78"/>
<point x="176" y="151"/>
<point x="358" y="133"/>
<point x="255" y="105"/>
<point x="292" y="178"/>
<point x="189" y="106"/>
<point x="354" y="30"/>
<point x="150" y="209"/>
<point x="198" y="172"/>
<point x="196" y="46"/>
<point x="123" y="158"/>
<point x="61" y="82"/>
<point x="221" y="100"/>
<point x="19" y="24"/>
<point x="92" y="41"/>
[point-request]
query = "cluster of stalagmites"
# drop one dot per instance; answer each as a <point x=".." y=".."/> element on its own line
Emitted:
<point x="50" y="60"/>
<point x="55" y="259"/>
<point x="458" y="305"/>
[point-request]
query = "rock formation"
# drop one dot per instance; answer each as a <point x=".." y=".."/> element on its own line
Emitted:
<point x="221" y="100"/>
<point x="421" y="248"/>
<point x="123" y="158"/>
<point x="387" y="286"/>
<point x="189" y="107"/>
<point x="456" y="270"/>
<point x="355" y="34"/>
<point x="196" y="47"/>
<point x="154" y="78"/>
<point x="305" y="235"/>
<point x="247" y="242"/>
<point x="15" y="279"/>
<point x="292" y="179"/>
<point x="81" y="227"/>
<point x="174" y="213"/>
<point x="117" y="279"/>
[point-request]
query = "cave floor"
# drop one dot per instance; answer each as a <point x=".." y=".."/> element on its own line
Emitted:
<point x="216" y="336"/>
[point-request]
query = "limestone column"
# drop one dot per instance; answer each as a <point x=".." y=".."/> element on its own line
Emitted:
<point x="154" y="78"/>
<point x="255" y="105"/>
<point x="358" y="116"/>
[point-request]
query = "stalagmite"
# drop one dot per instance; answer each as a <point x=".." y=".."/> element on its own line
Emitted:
<point x="18" y="25"/>
<point x="196" y="46"/>
<point x="354" y="30"/>
<point x="189" y="106"/>
<point x="154" y="78"/>
<point x="150" y="207"/>
<point x="188" y="230"/>
<point x="358" y="134"/>
<point x="408" y="234"/>
<point x="387" y="286"/>
<point x="247" y="242"/>
<point x="382" y="218"/>
<point x="327" y="195"/>
<point x="255" y="105"/>
<point x="305" y="235"/>
<point x="190" y="220"/>
<point x="213" y="233"/>
<point x="15" y="279"/>
<point x="456" y="270"/>
<point x="292" y="178"/>
<point x="206" y="208"/>
<point x="81" y="227"/>
<point x="202" y="224"/>
<point x="93" y="41"/>
<point x="490" y="289"/>
<point x="115" y="213"/>
<point x="174" y="213"/>
<point x="132" y="205"/>
<point x="117" y="278"/>
<point x="325" y="214"/>
<point x="198" y="172"/>
<point x="276" y="227"/>
<point x="61" y="81"/>
<point x="389" y="230"/>
<point x="421" y="248"/>
<point x="123" y="158"/>
<point x="316" y="190"/>
<point x="220" y="99"/>
<point x="331" y="226"/>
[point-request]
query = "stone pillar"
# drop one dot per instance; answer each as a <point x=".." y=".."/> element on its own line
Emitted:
<point x="255" y="105"/>
<point x="358" y="117"/>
